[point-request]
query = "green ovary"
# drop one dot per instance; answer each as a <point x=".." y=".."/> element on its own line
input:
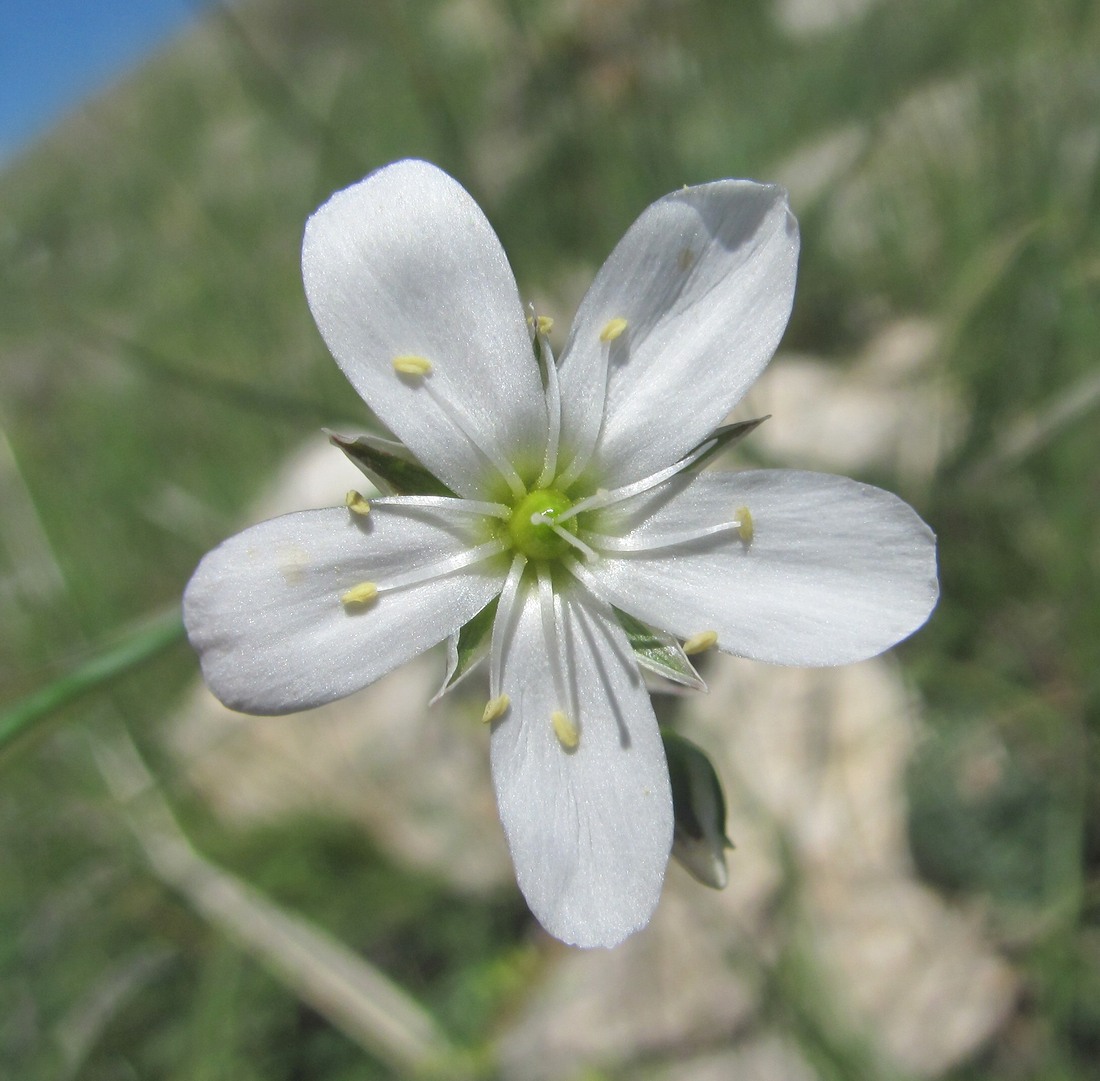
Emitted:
<point x="534" y="540"/>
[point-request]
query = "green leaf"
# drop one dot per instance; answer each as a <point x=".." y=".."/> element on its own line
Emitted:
<point x="388" y="465"/>
<point x="729" y="435"/>
<point x="699" y="839"/>
<point x="659" y="652"/>
<point x="467" y="648"/>
<point x="109" y="663"/>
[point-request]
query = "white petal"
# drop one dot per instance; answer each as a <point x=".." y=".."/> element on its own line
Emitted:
<point x="405" y="263"/>
<point x="705" y="281"/>
<point x="589" y="829"/>
<point x="264" y="610"/>
<point x="836" y="571"/>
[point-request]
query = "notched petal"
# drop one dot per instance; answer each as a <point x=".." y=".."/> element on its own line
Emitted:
<point x="404" y="268"/>
<point x="704" y="280"/>
<point x="822" y="570"/>
<point x="287" y="615"/>
<point x="590" y="825"/>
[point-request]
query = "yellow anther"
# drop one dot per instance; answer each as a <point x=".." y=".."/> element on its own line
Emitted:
<point x="357" y="503"/>
<point x="612" y="329"/>
<point x="701" y="642"/>
<point x="543" y="324"/>
<point x="363" y="593"/>
<point x="565" y="730"/>
<point x="744" y="526"/>
<point x="495" y="708"/>
<point x="411" y="364"/>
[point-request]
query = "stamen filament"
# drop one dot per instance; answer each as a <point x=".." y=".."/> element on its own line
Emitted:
<point x="634" y="543"/>
<point x="553" y="629"/>
<point x="490" y="454"/>
<point x="586" y="579"/>
<point x="446" y="502"/>
<point x="612" y="330"/>
<point x="604" y="498"/>
<point x="553" y="411"/>
<point x="506" y="610"/>
<point x="569" y="538"/>
<point x="443" y="566"/>
<point x="581" y="458"/>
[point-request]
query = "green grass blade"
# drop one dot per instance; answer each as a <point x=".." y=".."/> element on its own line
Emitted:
<point x="107" y="664"/>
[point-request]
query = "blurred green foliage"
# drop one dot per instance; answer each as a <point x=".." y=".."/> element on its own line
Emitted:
<point x="159" y="361"/>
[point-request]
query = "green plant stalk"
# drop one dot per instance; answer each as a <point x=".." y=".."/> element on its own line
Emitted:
<point x="108" y="664"/>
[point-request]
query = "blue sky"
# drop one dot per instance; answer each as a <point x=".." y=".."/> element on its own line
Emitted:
<point x="55" y="53"/>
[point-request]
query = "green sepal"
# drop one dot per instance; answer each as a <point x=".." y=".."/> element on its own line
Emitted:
<point x="699" y="840"/>
<point x="388" y="465"/>
<point x="467" y="649"/>
<point x="658" y="652"/>
<point x="727" y="436"/>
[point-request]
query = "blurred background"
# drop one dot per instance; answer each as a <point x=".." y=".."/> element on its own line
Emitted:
<point x="915" y="892"/>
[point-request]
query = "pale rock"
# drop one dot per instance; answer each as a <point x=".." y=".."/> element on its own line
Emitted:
<point x="807" y="18"/>
<point x="766" y="1057"/>
<point x="665" y="989"/>
<point x="888" y="409"/>
<point x="813" y="766"/>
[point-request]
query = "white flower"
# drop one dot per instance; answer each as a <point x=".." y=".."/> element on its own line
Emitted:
<point x="573" y="500"/>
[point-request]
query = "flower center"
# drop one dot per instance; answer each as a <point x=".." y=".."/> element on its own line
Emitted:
<point x="533" y="530"/>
